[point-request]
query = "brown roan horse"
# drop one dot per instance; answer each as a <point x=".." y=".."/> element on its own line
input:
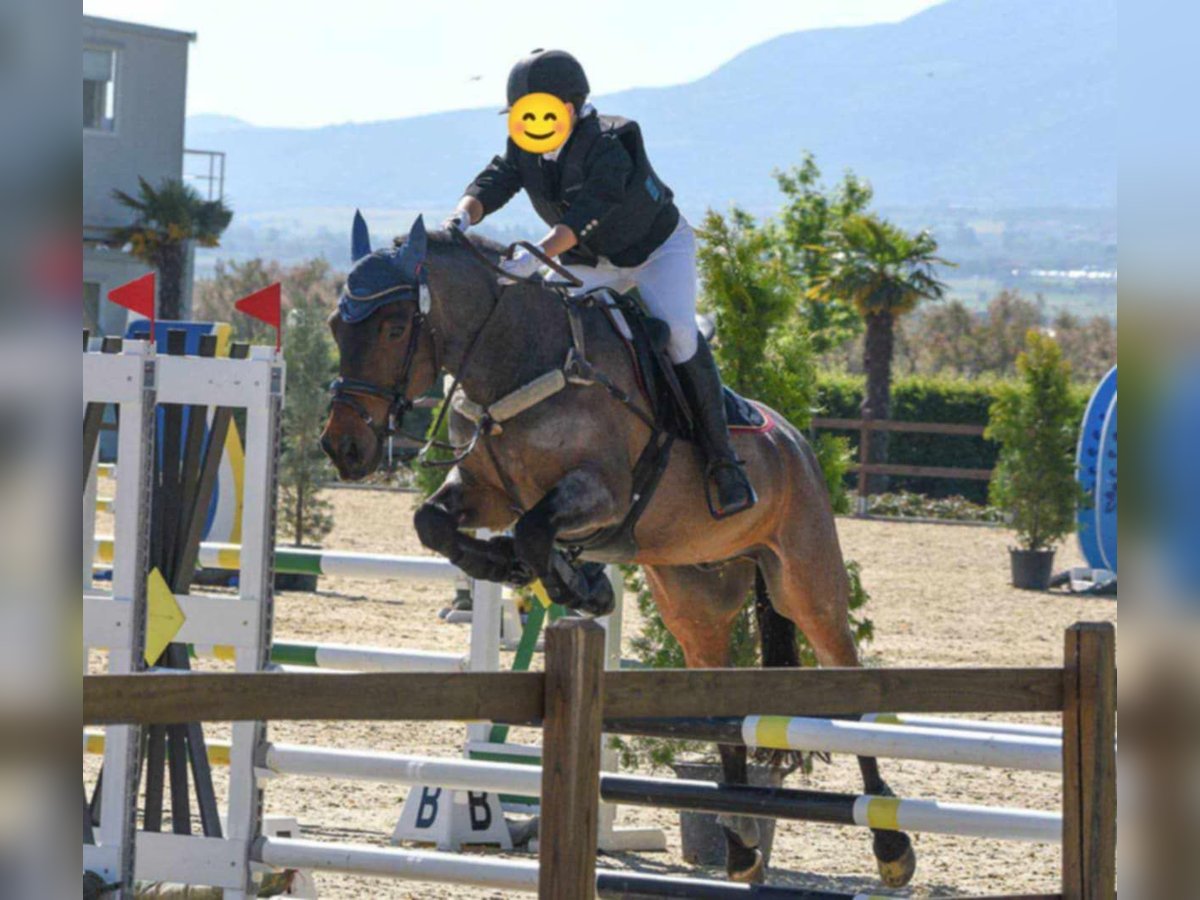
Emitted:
<point x="561" y="469"/>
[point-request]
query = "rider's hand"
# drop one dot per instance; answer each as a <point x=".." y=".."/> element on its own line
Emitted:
<point x="460" y="219"/>
<point x="522" y="265"/>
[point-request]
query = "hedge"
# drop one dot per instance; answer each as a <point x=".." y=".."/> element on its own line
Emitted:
<point x="930" y="399"/>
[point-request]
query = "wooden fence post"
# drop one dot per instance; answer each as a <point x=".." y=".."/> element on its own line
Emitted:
<point x="864" y="459"/>
<point x="571" y="760"/>
<point x="1089" y="762"/>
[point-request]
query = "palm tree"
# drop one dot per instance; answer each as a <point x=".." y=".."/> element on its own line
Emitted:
<point x="167" y="218"/>
<point x="885" y="272"/>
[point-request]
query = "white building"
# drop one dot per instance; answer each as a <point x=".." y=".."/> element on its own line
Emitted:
<point x="134" y="107"/>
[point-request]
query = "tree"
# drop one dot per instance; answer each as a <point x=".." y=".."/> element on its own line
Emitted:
<point x="810" y="214"/>
<point x="884" y="272"/>
<point x="1035" y="427"/>
<point x="763" y="348"/>
<point x="167" y="217"/>
<point x="305" y="515"/>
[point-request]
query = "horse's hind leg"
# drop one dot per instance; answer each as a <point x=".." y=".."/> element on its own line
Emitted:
<point x="699" y="608"/>
<point x="812" y="589"/>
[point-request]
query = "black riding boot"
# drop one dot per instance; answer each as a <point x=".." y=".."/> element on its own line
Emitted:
<point x="702" y="385"/>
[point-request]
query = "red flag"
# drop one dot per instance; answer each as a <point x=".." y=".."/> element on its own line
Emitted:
<point x="265" y="306"/>
<point x="138" y="296"/>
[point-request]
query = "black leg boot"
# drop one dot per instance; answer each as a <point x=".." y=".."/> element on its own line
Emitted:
<point x="702" y="385"/>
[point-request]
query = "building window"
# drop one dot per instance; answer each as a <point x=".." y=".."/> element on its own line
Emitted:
<point x="99" y="89"/>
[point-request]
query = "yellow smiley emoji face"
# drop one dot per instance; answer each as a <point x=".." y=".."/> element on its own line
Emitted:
<point x="539" y="123"/>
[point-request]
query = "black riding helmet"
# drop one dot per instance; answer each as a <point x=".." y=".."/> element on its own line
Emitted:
<point x="554" y="72"/>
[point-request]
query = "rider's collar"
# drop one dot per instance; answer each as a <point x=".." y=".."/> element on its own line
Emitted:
<point x="588" y="110"/>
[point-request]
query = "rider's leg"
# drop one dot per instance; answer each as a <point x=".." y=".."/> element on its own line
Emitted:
<point x="667" y="282"/>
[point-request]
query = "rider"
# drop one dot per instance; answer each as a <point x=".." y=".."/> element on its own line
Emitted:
<point x="614" y="224"/>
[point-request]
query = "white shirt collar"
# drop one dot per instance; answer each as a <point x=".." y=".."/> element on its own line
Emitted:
<point x="588" y="110"/>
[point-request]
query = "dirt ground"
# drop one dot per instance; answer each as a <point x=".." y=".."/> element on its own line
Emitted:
<point x="939" y="596"/>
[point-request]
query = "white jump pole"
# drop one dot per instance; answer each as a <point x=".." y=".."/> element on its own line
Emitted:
<point x="903" y="742"/>
<point x="976" y="725"/>
<point x="361" y="765"/>
<point x="408" y="865"/>
<point x="347" y="657"/>
<point x="935" y="817"/>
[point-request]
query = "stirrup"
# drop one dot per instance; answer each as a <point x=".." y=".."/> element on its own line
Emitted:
<point x="717" y="511"/>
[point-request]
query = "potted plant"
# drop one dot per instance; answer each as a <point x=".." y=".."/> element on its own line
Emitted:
<point x="1034" y="481"/>
<point x="703" y="842"/>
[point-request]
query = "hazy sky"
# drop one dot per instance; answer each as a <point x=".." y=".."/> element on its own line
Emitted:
<point x="307" y="63"/>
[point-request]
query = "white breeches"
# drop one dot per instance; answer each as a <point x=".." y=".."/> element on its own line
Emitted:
<point x="667" y="283"/>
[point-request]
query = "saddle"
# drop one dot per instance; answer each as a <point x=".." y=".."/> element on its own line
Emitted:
<point x="646" y="341"/>
<point x="646" y="338"/>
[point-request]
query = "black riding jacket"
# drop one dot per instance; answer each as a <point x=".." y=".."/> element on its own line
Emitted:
<point x="601" y="186"/>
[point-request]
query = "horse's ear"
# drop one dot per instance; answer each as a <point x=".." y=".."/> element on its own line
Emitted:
<point x="412" y="254"/>
<point x="360" y="238"/>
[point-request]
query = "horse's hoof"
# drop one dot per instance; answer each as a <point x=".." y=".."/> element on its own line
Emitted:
<point x="898" y="872"/>
<point x="755" y="873"/>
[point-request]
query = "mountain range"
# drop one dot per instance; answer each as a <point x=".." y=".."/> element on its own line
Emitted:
<point x="987" y="104"/>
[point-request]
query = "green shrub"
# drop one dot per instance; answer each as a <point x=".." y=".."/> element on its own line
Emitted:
<point x="1036" y="425"/>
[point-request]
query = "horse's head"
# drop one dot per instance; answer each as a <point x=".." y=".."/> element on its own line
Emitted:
<point x="384" y="349"/>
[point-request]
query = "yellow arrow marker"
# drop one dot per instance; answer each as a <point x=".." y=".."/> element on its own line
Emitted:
<point x="164" y="618"/>
<point x="539" y="591"/>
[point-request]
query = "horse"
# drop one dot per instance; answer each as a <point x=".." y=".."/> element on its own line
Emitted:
<point x="559" y="469"/>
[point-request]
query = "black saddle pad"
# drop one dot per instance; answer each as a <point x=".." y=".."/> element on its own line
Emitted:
<point x="649" y="344"/>
<point x="740" y="412"/>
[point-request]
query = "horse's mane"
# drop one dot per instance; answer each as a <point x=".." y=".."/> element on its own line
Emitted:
<point x="443" y="237"/>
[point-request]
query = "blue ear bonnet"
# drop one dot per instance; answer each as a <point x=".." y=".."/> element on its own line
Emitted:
<point x="384" y="276"/>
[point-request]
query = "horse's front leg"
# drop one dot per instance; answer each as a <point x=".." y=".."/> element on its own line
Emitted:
<point x="582" y="499"/>
<point x="457" y="505"/>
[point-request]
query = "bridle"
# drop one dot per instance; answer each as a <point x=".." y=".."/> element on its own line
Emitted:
<point x="347" y="391"/>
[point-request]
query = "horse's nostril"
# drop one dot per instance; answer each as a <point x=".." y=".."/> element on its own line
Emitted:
<point x="349" y="449"/>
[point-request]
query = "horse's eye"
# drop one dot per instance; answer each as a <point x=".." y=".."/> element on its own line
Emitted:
<point x="396" y="332"/>
<point x="528" y="117"/>
<point x="550" y="117"/>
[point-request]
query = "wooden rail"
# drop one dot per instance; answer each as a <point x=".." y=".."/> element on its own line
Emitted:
<point x="573" y="697"/>
<point x="865" y="468"/>
<point x="516" y="698"/>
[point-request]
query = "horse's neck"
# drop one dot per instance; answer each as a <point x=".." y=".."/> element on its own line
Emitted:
<point x="523" y="334"/>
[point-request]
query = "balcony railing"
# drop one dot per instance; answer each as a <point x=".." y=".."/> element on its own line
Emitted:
<point x="205" y="171"/>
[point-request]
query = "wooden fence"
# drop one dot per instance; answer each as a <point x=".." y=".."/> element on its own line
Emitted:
<point x="865" y="468"/>
<point x="574" y="697"/>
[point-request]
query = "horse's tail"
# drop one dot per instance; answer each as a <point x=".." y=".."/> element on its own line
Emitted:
<point x="776" y="633"/>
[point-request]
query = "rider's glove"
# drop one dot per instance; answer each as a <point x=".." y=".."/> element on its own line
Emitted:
<point x="522" y="265"/>
<point x="460" y="219"/>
